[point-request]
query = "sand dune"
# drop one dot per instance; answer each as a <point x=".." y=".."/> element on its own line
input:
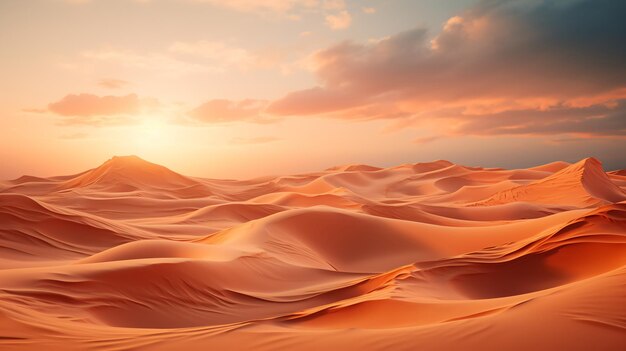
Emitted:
<point x="583" y="184"/>
<point x="435" y="256"/>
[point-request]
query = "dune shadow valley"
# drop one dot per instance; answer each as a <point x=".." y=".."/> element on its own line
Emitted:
<point x="131" y="255"/>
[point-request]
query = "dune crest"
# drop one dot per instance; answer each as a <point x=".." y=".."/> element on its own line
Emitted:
<point x="131" y="173"/>
<point x="439" y="256"/>
<point x="582" y="184"/>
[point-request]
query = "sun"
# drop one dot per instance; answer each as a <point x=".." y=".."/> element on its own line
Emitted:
<point x="150" y="135"/>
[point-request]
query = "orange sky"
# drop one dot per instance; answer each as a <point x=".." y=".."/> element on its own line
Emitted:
<point x="245" y="88"/>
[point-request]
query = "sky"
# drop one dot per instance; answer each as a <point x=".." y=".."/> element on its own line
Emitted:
<point x="245" y="88"/>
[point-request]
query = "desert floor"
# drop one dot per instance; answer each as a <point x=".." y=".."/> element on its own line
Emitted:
<point x="431" y="256"/>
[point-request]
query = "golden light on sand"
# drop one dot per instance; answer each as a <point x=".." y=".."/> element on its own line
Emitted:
<point x="312" y="175"/>
<point x="135" y="251"/>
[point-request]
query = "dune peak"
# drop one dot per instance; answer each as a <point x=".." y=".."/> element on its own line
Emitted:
<point x="581" y="184"/>
<point x="353" y="168"/>
<point x="128" y="173"/>
<point x="127" y="160"/>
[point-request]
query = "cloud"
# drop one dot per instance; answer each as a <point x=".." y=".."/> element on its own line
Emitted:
<point x="158" y="62"/>
<point x="35" y="110"/>
<point x="341" y="20"/>
<point x="590" y="121"/>
<point x="277" y="6"/>
<point x="80" y="2"/>
<point x="254" y="140"/>
<point x="426" y="139"/>
<point x="334" y="11"/>
<point x="368" y="10"/>
<point x="94" y="110"/>
<point x="216" y="51"/>
<point x="73" y="136"/>
<point x="504" y="58"/>
<point x="261" y="6"/>
<point x="112" y="83"/>
<point x="222" y="56"/>
<point x="181" y="58"/>
<point x="225" y="111"/>
<point x="88" y="105"/>
<point x="280" y="6"/>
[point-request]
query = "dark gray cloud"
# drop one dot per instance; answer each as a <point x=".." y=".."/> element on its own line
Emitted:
<point x="596" y="120"/>
<point x="517" y="57"/>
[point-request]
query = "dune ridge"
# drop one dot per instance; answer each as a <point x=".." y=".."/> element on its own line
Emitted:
<point x="582" y="184"/>
<point x="437" y="256"/>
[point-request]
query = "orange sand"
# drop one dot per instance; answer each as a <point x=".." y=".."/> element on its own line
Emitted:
<point x="429" y="256"/>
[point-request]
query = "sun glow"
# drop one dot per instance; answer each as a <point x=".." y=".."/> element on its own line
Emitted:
<point x="151" y="133"/>
<point x="150" y="136"/>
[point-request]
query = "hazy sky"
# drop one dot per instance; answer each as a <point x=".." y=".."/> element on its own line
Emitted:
<point x="244" y="88"/>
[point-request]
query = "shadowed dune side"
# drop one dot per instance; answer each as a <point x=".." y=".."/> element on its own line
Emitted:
<point x="338" y="199"/>
<point x="128" y="206"/>
<point x="584" y="311"/>
<point x="329" y="238"/>
<point x="621" y="172"/>
<point x="490" y="281"/>
<point x="140" y="291"/>
<point x="231" y="212"/>
<point x="584" y="247"/>
<point x="32" y="231"/>
<point x="460" y="216"/>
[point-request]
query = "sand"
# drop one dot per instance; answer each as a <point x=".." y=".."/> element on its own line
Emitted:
<point x="131" y="255"/>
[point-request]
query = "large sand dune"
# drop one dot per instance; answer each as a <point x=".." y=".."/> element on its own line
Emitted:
<point x="433" y="256"/>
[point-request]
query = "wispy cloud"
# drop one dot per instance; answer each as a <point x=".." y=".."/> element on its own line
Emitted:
<point x="222" y="56"/>
<point x="277" y="6"/>
<point x="368" y="10"/>
<point x="87" y="105"/>
<point x="340" y="20"/>
<point x="112" y="83"/>
<point x="73" y="136"/>
<point x="254" y="140"/>
<point x="426" y="140"/>
<point x="225" y="111"/>
<point x="148" y="61"/>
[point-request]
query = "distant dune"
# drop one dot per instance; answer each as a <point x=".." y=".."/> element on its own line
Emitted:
<point x="131" y="255"/>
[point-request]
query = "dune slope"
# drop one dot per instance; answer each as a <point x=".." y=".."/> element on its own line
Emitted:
<point x="435" y="256"/>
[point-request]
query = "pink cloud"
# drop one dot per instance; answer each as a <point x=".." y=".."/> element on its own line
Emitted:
<point x="87" y="105"/>
<point x="94" y="110"/>
<point x="223" y="111"/>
